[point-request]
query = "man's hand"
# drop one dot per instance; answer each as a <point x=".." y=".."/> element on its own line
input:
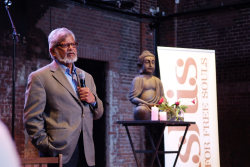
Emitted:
<point x="86" y="95"/>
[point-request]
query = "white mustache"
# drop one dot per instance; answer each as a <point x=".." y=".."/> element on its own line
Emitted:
<point x="71" y="53"/>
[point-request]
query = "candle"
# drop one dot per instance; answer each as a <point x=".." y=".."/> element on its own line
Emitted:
<point x="163" y="116"/>
<point x="154" y="113"/>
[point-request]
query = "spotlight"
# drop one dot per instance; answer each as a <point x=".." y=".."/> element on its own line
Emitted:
<point x="154" y="10"/>
<point x="7" y="2"/>
<point x="122" y="4"/>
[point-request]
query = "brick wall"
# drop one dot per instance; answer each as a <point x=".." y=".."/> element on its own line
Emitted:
<point x="225" y="30"/>
<point x="23" y="68"/>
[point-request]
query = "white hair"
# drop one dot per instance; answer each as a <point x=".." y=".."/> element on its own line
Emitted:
<point x="58" y="35"/>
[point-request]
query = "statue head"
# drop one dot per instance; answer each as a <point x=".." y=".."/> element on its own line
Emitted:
<point x="146" y="62"/>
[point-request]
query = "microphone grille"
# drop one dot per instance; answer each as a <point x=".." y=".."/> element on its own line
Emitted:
<point x="82" y="75"/>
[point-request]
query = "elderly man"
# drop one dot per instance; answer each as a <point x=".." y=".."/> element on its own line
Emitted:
<point x="146" y="89"/>
<point x="58" y="112"/>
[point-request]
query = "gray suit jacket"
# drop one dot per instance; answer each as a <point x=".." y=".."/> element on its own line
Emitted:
<point x="54" y="116"/>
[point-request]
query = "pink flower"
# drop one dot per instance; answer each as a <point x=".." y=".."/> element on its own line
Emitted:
<point x="177" y="103"/>
<point x="193" y="101"/>
<point x="161" y="100"/>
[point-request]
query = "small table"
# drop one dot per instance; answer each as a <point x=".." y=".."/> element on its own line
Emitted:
<point x="155" y="148"/>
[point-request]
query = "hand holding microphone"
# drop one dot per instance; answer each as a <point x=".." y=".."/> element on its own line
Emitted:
<point x="84" y="92"/>
<point x="82" y="79"/>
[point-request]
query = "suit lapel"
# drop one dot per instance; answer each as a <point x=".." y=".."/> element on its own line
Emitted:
<point x="58" y="74"/>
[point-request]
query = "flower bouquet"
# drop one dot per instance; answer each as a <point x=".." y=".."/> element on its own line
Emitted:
<point x="175" y="112"/>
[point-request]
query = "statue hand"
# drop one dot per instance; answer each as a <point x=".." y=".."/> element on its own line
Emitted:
<point x="153" y="104"/>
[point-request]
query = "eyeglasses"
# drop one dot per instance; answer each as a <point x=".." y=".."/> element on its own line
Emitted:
<point x="67" y="45"/>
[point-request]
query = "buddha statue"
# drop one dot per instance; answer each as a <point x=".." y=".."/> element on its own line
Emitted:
<point x="146" y="89"/>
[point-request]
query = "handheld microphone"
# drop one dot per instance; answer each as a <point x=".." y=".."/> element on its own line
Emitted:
<point x="82" y="79"/>
<point x="82" y="83"/>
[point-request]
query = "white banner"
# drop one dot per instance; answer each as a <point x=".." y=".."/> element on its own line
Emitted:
<point x="187" y="75"/>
